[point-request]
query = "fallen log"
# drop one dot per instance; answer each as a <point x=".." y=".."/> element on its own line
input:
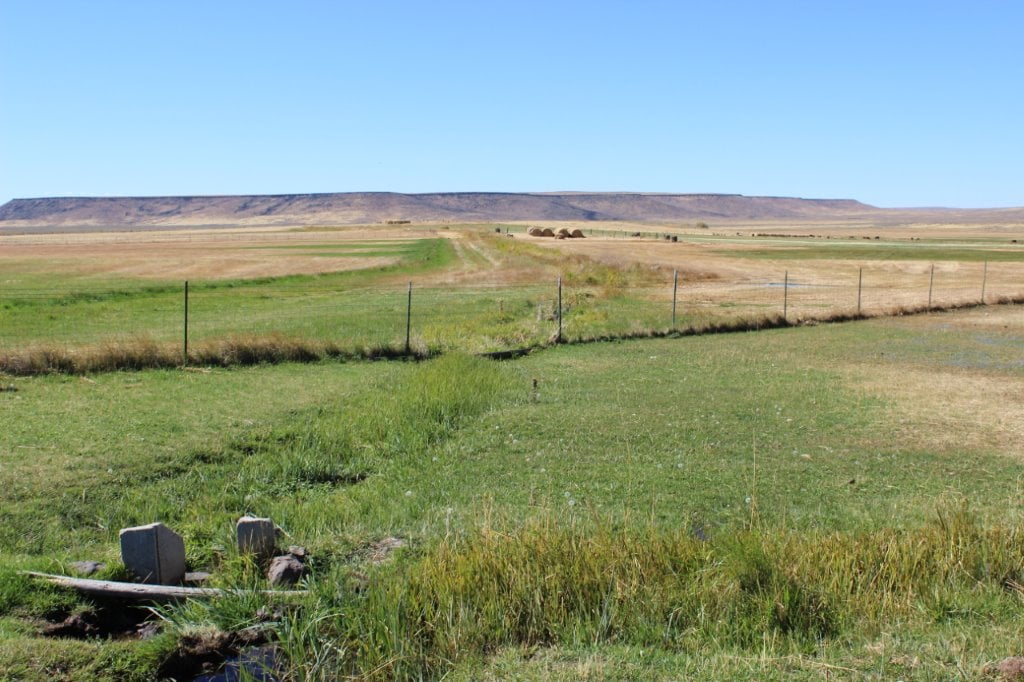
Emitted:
<point x="139" y="592"/>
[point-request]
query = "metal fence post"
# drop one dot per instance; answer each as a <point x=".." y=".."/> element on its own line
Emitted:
<point x="931" y="281"/>
<point x="408" y="320"/>
<point x="785" y="296"/>
<point x="984" y="278"/>
<point x="184" y="354"/>
<point x="675" y="288"/>
<point x="860" y="286"/>
<point x="558" y="339"/>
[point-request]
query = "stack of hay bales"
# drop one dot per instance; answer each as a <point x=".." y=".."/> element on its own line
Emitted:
<point x="562" y="233"/>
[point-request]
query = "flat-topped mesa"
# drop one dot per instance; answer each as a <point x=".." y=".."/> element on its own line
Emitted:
<point x="381" y="207"/>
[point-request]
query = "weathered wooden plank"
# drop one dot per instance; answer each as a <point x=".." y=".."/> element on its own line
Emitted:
<point x="140" y="592"/>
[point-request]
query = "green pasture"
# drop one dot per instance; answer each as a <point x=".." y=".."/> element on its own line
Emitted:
<point x="77" y="311"/>
<point x="352" y="309"/>
<point x="714" y="507"/>
<point x="350" y="249"/>
<point x="963" y="252"/>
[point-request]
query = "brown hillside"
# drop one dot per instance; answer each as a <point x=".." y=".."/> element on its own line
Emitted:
<point x="88" y="213"/>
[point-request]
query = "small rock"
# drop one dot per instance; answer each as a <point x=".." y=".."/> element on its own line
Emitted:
<point x="285" y="570"/>
<point x="148" y="630"/>
<point x="196" y="577"/>
<point x="380" y="551"/>
<point x="264" y="614"/>
<point x="87" y="567"/>
<point x="1011" y="668"/>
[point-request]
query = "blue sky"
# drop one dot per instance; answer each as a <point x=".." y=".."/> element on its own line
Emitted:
<point x="893" y="103"/>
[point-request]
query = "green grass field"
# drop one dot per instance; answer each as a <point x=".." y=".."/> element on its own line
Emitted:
<point x="754" y="506"/>
<point x="354" y="312"/>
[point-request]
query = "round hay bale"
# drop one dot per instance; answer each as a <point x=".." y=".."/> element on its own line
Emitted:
<point x="536" y="232"/>
<point x="563" y="233"/>
<point x="577" y="234"/>
<point x="547" y="232"/>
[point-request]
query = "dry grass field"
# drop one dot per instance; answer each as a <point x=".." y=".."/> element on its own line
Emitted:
<point x="739" y="266"/>
<point x="718" y="253"/>
<point x="200" y="254"/>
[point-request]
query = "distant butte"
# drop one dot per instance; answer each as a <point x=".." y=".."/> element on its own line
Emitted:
<point x="354" y="208"/>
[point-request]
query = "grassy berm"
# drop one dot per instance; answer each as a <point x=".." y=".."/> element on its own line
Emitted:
<point x="830" y="502"/>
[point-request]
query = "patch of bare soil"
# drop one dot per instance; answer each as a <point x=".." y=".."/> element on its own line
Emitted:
<point x="107" y="621"/>
<point x="953" y="410"/>
<point x="950" y="407"/>
<point x="200" y="656"/>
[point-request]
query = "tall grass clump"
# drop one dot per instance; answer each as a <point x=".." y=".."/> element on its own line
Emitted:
<point x="581" y="584"/>
<point x="235" y="350"/>
<point x="549" y="585"/>
<point x="115" y="355"/>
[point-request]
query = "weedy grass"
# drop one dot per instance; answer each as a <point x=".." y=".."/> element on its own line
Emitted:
<point x="543" y="585"/>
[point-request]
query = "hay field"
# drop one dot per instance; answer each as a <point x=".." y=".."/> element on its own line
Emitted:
<point x="198" y="254"/>
<point x="720" y="253"/>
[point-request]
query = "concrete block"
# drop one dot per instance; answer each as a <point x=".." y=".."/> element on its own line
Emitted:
<point x="155" y="554"/>
<point x="256" y="536"/>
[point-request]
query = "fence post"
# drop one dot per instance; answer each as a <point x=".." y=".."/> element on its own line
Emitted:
<point x="785" y="296"/>
<point x="408" y="320"/>
<point x="984" y="277"/>
<point x="184" y="354"/>
<point x="675" y="288"/>
<point x="931" y="281"/>
<point x="558" y="339"/>
<point x="860" y="284"/>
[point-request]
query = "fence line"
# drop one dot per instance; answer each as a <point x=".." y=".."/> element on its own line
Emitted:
<point x="485" y="317"/>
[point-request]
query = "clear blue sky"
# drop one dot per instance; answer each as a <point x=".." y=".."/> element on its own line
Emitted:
<point x="893" y="103"/>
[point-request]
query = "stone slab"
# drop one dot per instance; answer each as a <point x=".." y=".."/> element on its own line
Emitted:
<point x="154" y="554"/>
<point x="256" y="536"/>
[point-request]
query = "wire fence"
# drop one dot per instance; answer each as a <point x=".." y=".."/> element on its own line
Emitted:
<point x="479" y="318"/>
